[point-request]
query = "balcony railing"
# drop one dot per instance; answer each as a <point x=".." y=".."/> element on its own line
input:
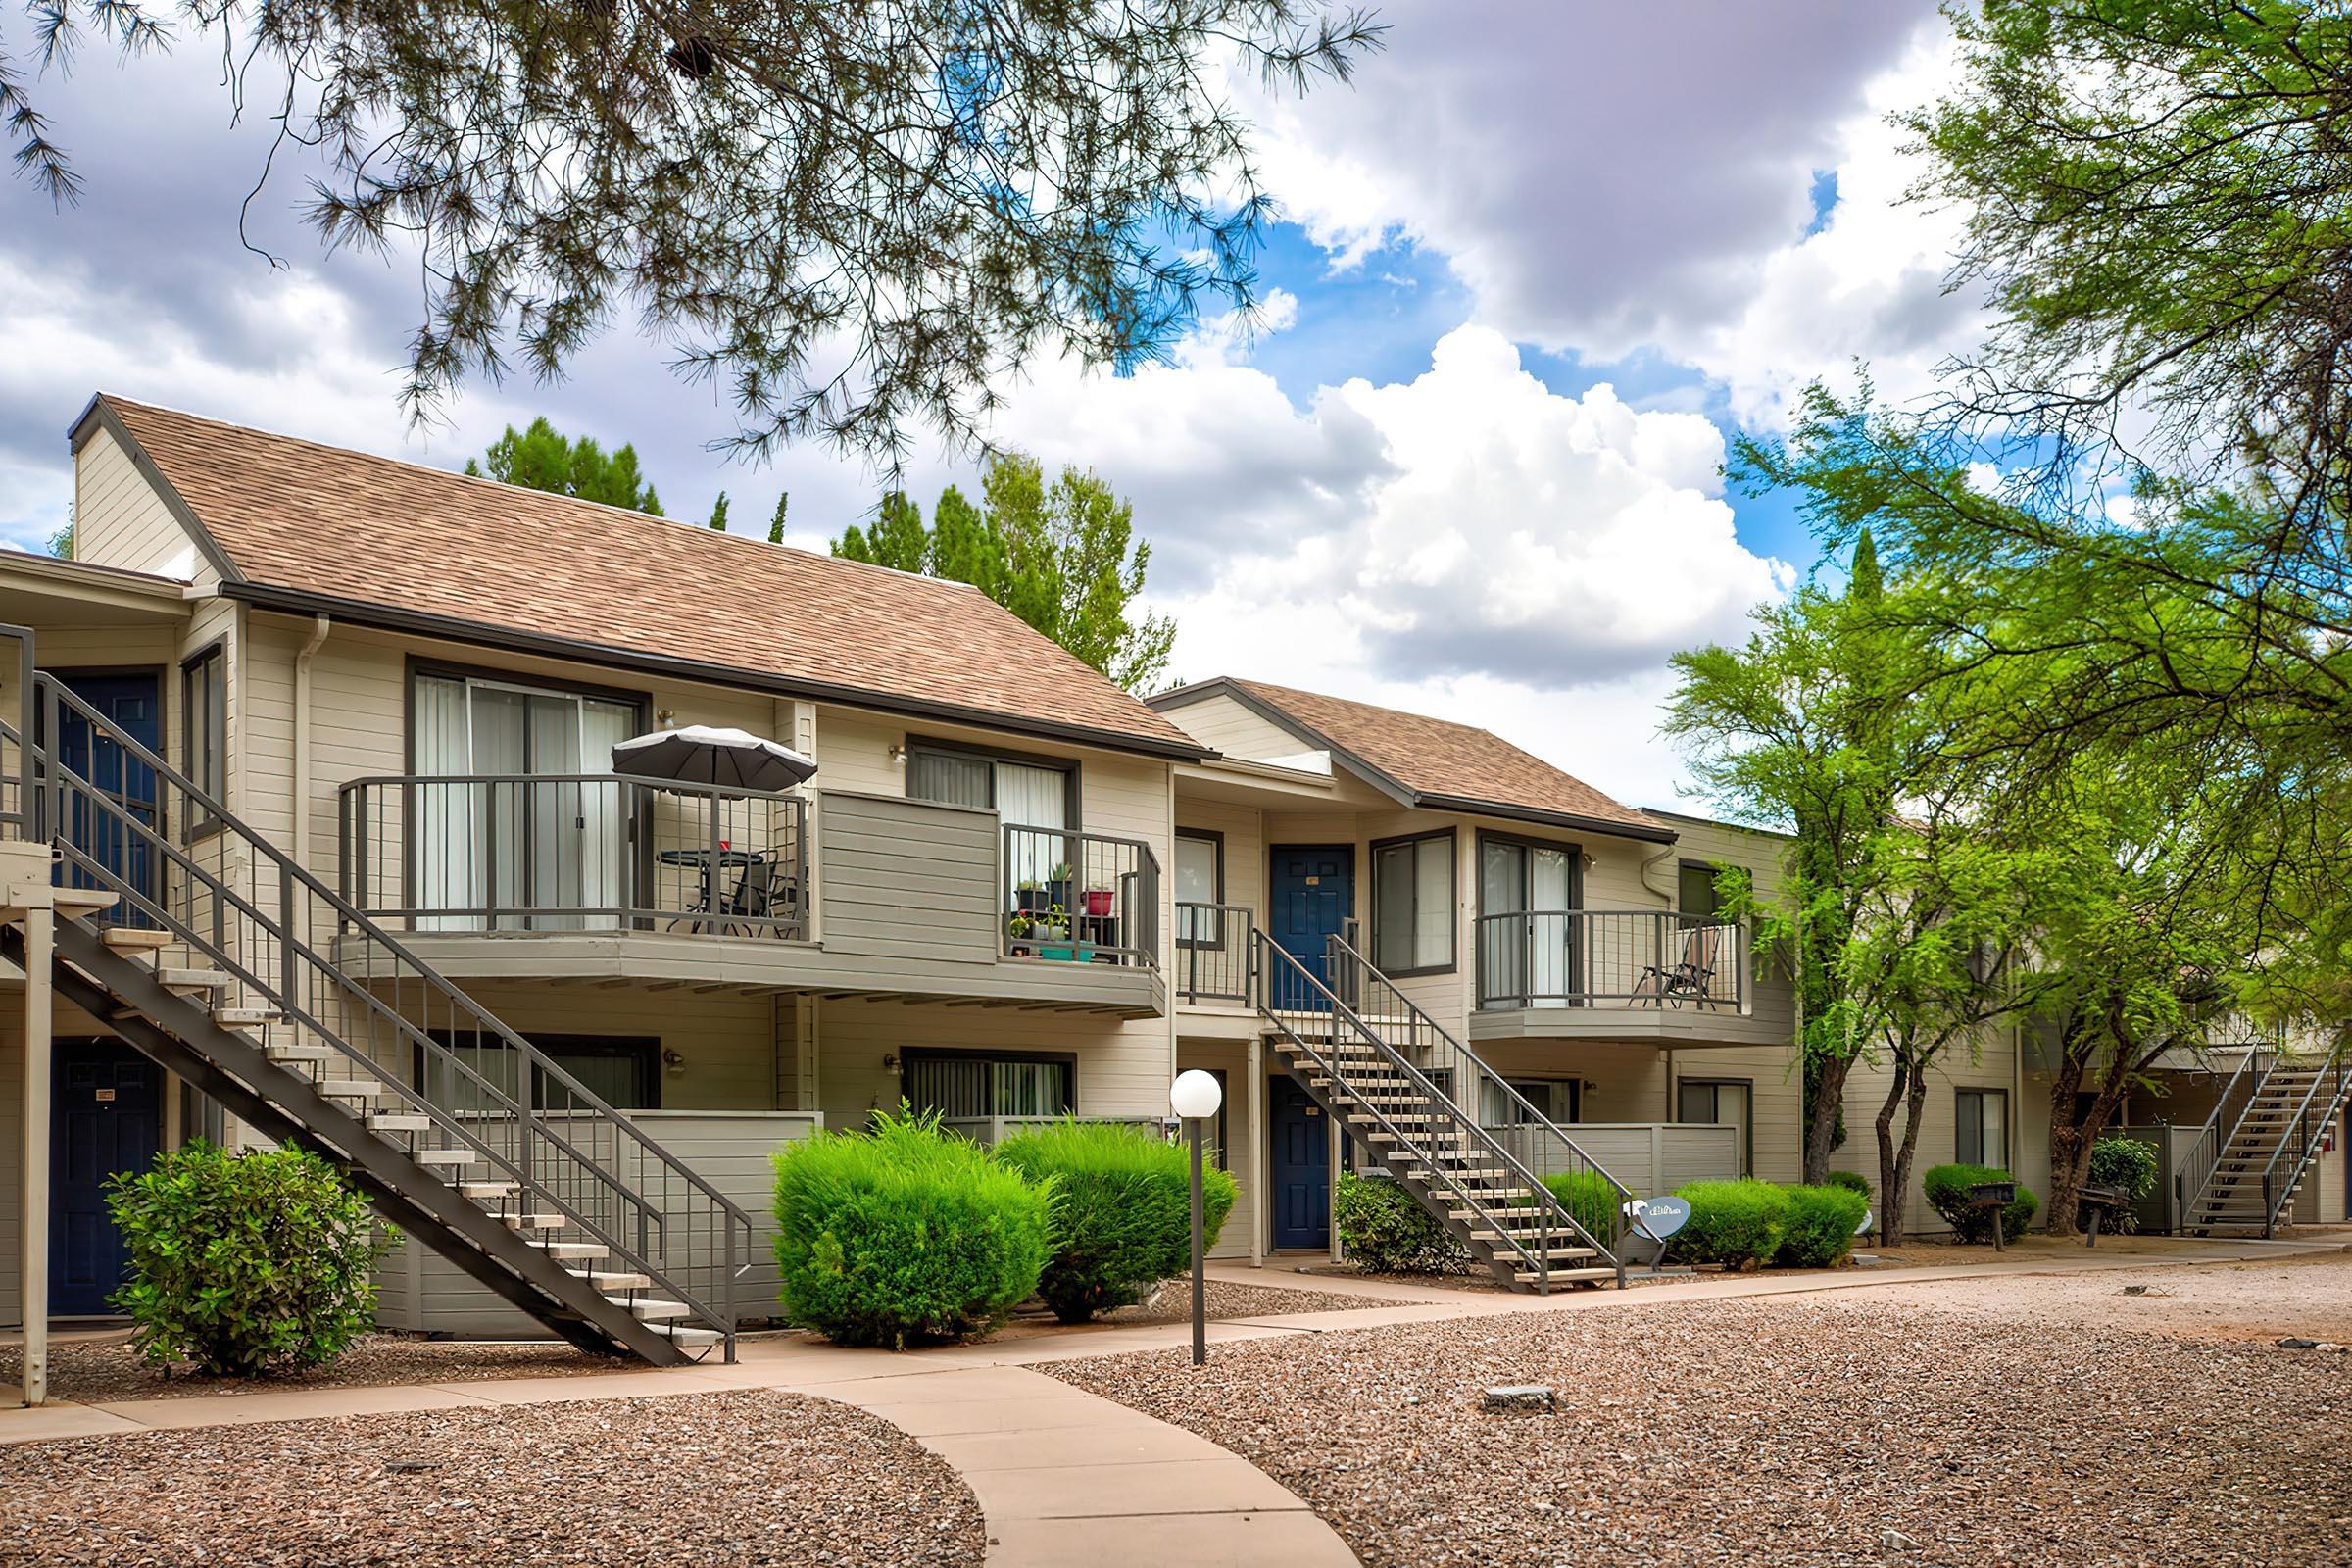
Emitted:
<point x="1082" y="898"/>
<point x="1213" y="951"/>
<point x="1611" y="958"/>
<point x="574" y="852"/>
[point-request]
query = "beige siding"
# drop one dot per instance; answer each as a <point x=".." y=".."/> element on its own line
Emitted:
<point x="1228" y="726"/>
<point x="1241" y="1157"/>
<point x="910" y="878"/>
<point x="1992" y="1065"/>
<point x="120" y="521"/>
<point x="11" y="1155"/>
<point x="1123" y="1070"/>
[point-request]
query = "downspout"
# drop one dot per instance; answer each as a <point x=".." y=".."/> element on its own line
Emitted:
<point x="1660" y="858"/>
<point x="320" y="626"/>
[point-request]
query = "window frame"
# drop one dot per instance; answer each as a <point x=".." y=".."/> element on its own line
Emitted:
<point x="1454" y="887"/>
<point x="647" y="1049"/>
<point x="909" y="1055"/>
<point x="1960" y="1095"/>
<point x="204" y="666"/>
<point x="419" y="668"/>
<point x="1215" y="840"/>
<point x="1519" y="1084"/>
<point x="1713" y="870"/>
<point x="1068" y="766"/>
<point x="1747" y="1129"/>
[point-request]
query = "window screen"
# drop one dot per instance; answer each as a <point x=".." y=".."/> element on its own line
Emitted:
<point x="1413" y="905"/>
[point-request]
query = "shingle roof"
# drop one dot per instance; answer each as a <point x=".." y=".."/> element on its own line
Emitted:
<point x="1439" y="761"/>
<point x="316" y="521"/>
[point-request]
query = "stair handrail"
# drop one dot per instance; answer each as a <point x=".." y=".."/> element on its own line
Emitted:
<point x="2204" y="1156"/>
<point x="1369" y="973"/>
<point x="1272" y="957"/>
<point x="2310" y="1140"/>
<point x="48" y="817"/>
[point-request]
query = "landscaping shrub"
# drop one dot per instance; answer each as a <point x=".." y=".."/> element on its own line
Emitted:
<point x="1592" y="1198"/>
<point x="1385" y="1229"/>
<point x="1126" y="1218"/>
<point x="1947" y="1188"/>
<point x="2130" y="1166"/>
<point x="1821" y="1225"/>
<point x="245" y="1263"/>
<point x="905" y="1234"/>
<point x="1852" y="1182"/>
<point x="1736" y="1224"/>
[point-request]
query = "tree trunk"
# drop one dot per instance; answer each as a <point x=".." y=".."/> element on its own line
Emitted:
<point x="1890" y="1203"/>
<point x="1829" y="1103"/>
<point x="2071" y="1141"/>
<point x="1915" y="1112"/>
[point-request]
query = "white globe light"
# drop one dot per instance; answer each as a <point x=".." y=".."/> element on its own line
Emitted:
<point x="1195" y="1096"/>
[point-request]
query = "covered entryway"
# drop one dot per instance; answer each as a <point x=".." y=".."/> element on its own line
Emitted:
<point x="1300" y="1171"/>
<point x="105" y="1117"/>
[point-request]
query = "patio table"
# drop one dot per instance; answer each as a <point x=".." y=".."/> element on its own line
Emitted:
<point x="709" y="905"/>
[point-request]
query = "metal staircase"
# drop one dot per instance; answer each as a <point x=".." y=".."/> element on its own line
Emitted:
<point x="2253" y="1153"/>
<point x="209" y="950"/>
<point x="1410" y="1094"/>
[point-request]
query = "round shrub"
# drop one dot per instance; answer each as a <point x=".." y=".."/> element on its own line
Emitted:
<point x="1736" y="1224"/>
<point x="1387" y="1231"/>
<point x="1947" y="1188"/>
<point x="905" y="1234"/>
<point x="1852" y="1182"/>
<point x="245" y="1263"/>
<point x="2130" y="1166"/>
<point x="1592" y="1198"/>
<point x="1820" y="1226"/>
<point x="1126" y="1216"/>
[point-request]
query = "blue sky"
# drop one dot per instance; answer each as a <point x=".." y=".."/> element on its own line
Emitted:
<point x="1536" y="265"/>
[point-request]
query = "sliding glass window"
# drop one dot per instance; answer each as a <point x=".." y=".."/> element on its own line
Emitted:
<point x="1412" y="904"/>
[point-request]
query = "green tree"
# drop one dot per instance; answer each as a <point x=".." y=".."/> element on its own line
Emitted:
<point x="856" y="217"/>
<point x="719" y="514"/>
<point x="543" y="457"/>
<point x="776" y="524"/>
<point x="1063" y="557"/>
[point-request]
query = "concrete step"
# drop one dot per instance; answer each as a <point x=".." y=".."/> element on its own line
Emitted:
<point x="391" y="1121"/>
<point x="246" y="1017"/>
<point x="351" y="1089"/>
<point x="1565" y="1276"/>
<point x="1527" y="1210"/>
<point x="649" y="1311"/>
<point x="1466" y="1173"/>
<point x="686" y="1334"/>
<point x="484" y="1192"/>
<point x="1563" y="1253"/>
<point x="447" y="1159"/>
<point x="284" y="1055"/>
<point x="573" y="1251"/>
<point x="190" y="981"/>
<point x="603" y="1280"/>
<point x="135" y="939"/>
<point x="533" y="1222"/>
<point x="73" y="903"/>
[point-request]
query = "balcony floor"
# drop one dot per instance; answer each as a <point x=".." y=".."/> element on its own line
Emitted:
<point x="1672" y="1028"/>
<point x="671" y="960"/>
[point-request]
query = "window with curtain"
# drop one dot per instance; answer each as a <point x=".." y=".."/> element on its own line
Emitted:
<point x="1199" y="879"/>
<point x="1023" y="795"/>
<point x="517" y="854"/>
<point x="204" y="722"/>
<point x="1723" y="1102"/>
<point x="1413" y="905"/>
<point x="964" y="1084"/>
<point x="1982" y="1134"/>
<point x="1528" y="960"/>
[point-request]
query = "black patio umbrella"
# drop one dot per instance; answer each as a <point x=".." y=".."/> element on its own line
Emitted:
<point x="702" y="753"/>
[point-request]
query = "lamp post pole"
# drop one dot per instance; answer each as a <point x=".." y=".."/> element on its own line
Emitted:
<point x="1195" y="1098"/>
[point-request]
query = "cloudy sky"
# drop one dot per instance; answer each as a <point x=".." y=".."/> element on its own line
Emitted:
<point x="1533" y="267"/>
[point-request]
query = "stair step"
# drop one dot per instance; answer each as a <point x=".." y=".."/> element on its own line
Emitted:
<point x="351" y="1089"/>
<point x="1529" y="1211"/>
<point x="395" y="1121"/>
<point x="1554" y="1253"/>
<point x="479" y="1191"/>
<point x="577" y="1251"/>
<point x="285" y="1053"/>
<point x="240" y="1017"/>
<point x="135" y="938"/>
<point x="1564" y="1276"/>
<point x="1468" y="1173"/>
<point x="603" y="1280"/>
<point x="684" y="1334"/>
<point x="74" y="902"/>
<point x="192" y="979"/>
<point x="649" y="1311"/>
<point x="534" y="1223"/>
<point x="444" y="1157"/>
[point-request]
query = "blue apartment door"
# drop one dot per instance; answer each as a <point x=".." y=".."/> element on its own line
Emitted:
<point x="106" y="1115"/>
<point x="133" y="704"/>
<point x="1311" y="894"/>
<point x="1302" y="1167"/>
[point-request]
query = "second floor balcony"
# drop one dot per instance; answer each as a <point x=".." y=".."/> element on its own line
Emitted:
<point x="1658" y="974"/>
<point x="607" y="876"/>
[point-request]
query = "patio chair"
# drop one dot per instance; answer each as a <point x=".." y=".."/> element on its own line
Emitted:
<point x="764" y="893"/>
<point x="1691" y="975"/>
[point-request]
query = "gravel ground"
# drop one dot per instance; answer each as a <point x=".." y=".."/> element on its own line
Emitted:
<point x="738" y="1479"/>
<point x="95" y="1370"/>
<point x="1175" y="1306"/>
<point x="2308" y="1297"/>
<point x="1791" y="1430"/>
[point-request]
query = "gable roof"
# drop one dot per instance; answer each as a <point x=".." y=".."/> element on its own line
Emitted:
<point x="1431" y="763"/>
<point x="291" y="524"/>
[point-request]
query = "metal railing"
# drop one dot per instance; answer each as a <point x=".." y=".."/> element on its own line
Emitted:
<point x="245" y="908"/>
<point x="1085" y="897"/>
<point x="1213" y="951"/>
<point x="1314" y="1019"/>
<point x="2203" y="1156"/>
<point x="574" y="851"/>
<point x="1610" y="959"/>
<point x="2304" y="1133"/>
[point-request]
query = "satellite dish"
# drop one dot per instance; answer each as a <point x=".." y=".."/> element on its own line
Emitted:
<point x="1657" y="1218"/>
<point x="1868" y="1219"/>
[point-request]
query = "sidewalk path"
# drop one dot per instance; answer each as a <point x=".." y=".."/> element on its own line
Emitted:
<point x="1062" y="1476"/>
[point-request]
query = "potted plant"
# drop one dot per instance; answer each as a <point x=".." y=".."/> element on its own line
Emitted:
<point x="1097" y="903"/>
<point x="1056" y="929"/>
<point x="1057" y="888"/>
<point x="1017" y="927"/>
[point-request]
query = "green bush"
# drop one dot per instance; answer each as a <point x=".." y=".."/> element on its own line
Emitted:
<point x="2130" y="1166"/>
<point x="1821" y="1225"/>
<point x="1126" y="1210"/>
<point x="1852" y="1182"/>
<point x="1592" y="1198"/>
<point x="1736" y="1224"/>
<point x="1387" y="1231"/>
<point x="905" y="1234"/>
<point x="1947" y="1188"/>
<point x="245" y="1263"/>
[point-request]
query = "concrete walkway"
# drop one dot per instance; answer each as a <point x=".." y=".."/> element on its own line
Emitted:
<point x="1062" y="1476"/>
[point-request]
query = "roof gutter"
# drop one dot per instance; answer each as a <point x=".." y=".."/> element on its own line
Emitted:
<point x="387" y="617"/>
<point x="1567" y="819"/>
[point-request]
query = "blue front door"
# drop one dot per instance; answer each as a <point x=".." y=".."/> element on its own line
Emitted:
<point x="1311" y="896"/>
<point x="1301" y="1168"/>
<point x="134" y="706"/>
<point x="106" y="1115"/>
